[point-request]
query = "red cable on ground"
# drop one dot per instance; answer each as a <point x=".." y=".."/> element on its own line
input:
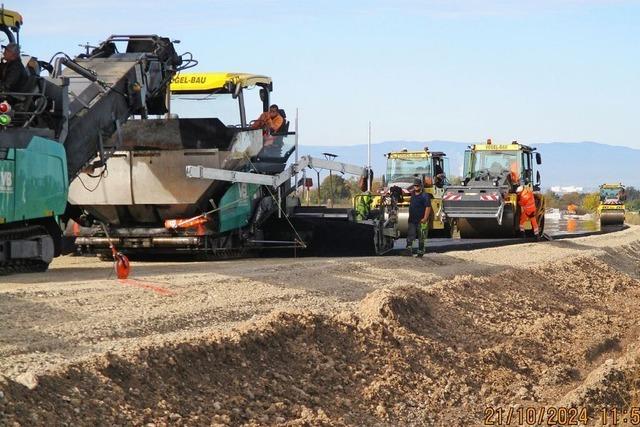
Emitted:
<point x="146" y="285"/>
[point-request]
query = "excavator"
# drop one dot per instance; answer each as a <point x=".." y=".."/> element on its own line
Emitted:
<point x="403" y="167"/>
<point x="611" y="210"/>
<point x="55" y="127"/>
<point x="486" y="204"/>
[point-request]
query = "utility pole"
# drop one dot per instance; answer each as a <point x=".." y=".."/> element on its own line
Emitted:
<point x="296" y="149"/>
<point x="318" y="173"/>
<point x="330" y="156"/>
<point x="369" y="160"/>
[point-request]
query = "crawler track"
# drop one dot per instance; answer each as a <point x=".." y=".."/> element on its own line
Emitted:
<point x="23" y="265"/>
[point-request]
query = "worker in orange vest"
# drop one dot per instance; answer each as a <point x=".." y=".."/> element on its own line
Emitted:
<point x="514" y="173"/>
<point x="527" y="209"/>
<point x="270" y="122"/>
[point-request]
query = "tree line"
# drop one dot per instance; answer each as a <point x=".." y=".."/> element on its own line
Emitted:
<point x="588" y="202"/>
<point x="342" y="190"/>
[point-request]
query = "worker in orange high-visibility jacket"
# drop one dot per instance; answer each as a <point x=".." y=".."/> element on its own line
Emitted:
<point x="527" y="209"/>
<point x="514" y="173"/>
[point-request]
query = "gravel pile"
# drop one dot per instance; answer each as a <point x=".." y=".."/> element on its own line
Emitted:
<point x="557" y="333"/>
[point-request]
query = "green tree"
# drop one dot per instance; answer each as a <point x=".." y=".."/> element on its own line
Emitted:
<point x="573" y="198"/>
<point x="551" y="199"/>
<point x="633" y="205"/>
<point x="591" y="201"/>
<point x="335" y="187"/>
<point x="632" y="194"/>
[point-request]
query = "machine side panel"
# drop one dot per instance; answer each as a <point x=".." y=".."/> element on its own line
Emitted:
<point x="158" y="176"/>
<point x="41" y="185"/>
<point x="7" y="184"/>
<point x="236" y="206"/>
<point x="110" y="188"/>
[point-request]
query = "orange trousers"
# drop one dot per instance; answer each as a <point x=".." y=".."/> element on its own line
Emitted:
<point x="534" y="222"/>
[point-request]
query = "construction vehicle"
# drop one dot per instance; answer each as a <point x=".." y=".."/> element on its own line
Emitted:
<point x="150" y="206"/>
<point x="486" y="204"/>
<point x="32" y="162"/>
<point x="611" y="210"/>
<point x="282" y="220"/>
<point x="403" y="167"/>
<point x="55" y="126"/>
<point x="10" y="24"/>
<point x="147" y="202"/>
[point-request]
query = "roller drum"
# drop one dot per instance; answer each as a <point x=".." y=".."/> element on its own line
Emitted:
<point x="611" y="218"/>
<point x="484" y="228"/>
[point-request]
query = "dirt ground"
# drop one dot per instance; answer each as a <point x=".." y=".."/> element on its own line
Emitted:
<point x="450" y="339"/>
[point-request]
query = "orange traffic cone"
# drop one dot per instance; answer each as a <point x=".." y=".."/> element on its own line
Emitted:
<point x="121" y="265"/>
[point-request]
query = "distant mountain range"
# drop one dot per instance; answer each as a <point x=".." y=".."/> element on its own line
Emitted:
<point x="582" y="164"/>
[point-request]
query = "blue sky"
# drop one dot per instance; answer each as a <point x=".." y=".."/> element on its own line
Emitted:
<point x="536" y="71"/>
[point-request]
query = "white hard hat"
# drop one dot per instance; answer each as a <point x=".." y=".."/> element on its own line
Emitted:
<point x="520" y="189"/>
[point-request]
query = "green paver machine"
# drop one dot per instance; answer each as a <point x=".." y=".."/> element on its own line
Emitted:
<point x="54" y="126"/>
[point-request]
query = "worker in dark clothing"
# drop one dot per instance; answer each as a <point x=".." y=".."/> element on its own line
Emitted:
<point x="440" y="179"/>
<point x="419" y="213"/>
<point x="13" y="75"/>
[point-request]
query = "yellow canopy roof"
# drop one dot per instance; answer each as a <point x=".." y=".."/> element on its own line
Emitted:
<point x="11" y="19"/>
<point x="409" y="155"/>
<point x="215" y="82"/>
<point x="514" y="146"/>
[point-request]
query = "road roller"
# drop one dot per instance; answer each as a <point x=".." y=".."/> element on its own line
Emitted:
<point x="611" y="208"/>
<point x="486" y="204"/>
<point x="403" y="167"/>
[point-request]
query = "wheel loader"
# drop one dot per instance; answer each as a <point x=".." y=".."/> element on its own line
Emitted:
<point x="403" y="167"/>
<point x="486" y="204"/>
<point x="611" y="208"/>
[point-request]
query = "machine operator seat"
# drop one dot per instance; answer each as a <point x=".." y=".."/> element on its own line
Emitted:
<point x="282" y="132"/>
<point x="27" y="102"/>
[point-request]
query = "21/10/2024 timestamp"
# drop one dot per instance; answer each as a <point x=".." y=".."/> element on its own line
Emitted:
<point x="559" y="416"/>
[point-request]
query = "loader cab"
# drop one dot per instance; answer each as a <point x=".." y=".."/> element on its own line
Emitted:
<point x="502" y="164"/>
<point x="405" y="166"/>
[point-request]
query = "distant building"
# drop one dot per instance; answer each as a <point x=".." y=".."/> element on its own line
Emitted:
<point x="567" y="189"/>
